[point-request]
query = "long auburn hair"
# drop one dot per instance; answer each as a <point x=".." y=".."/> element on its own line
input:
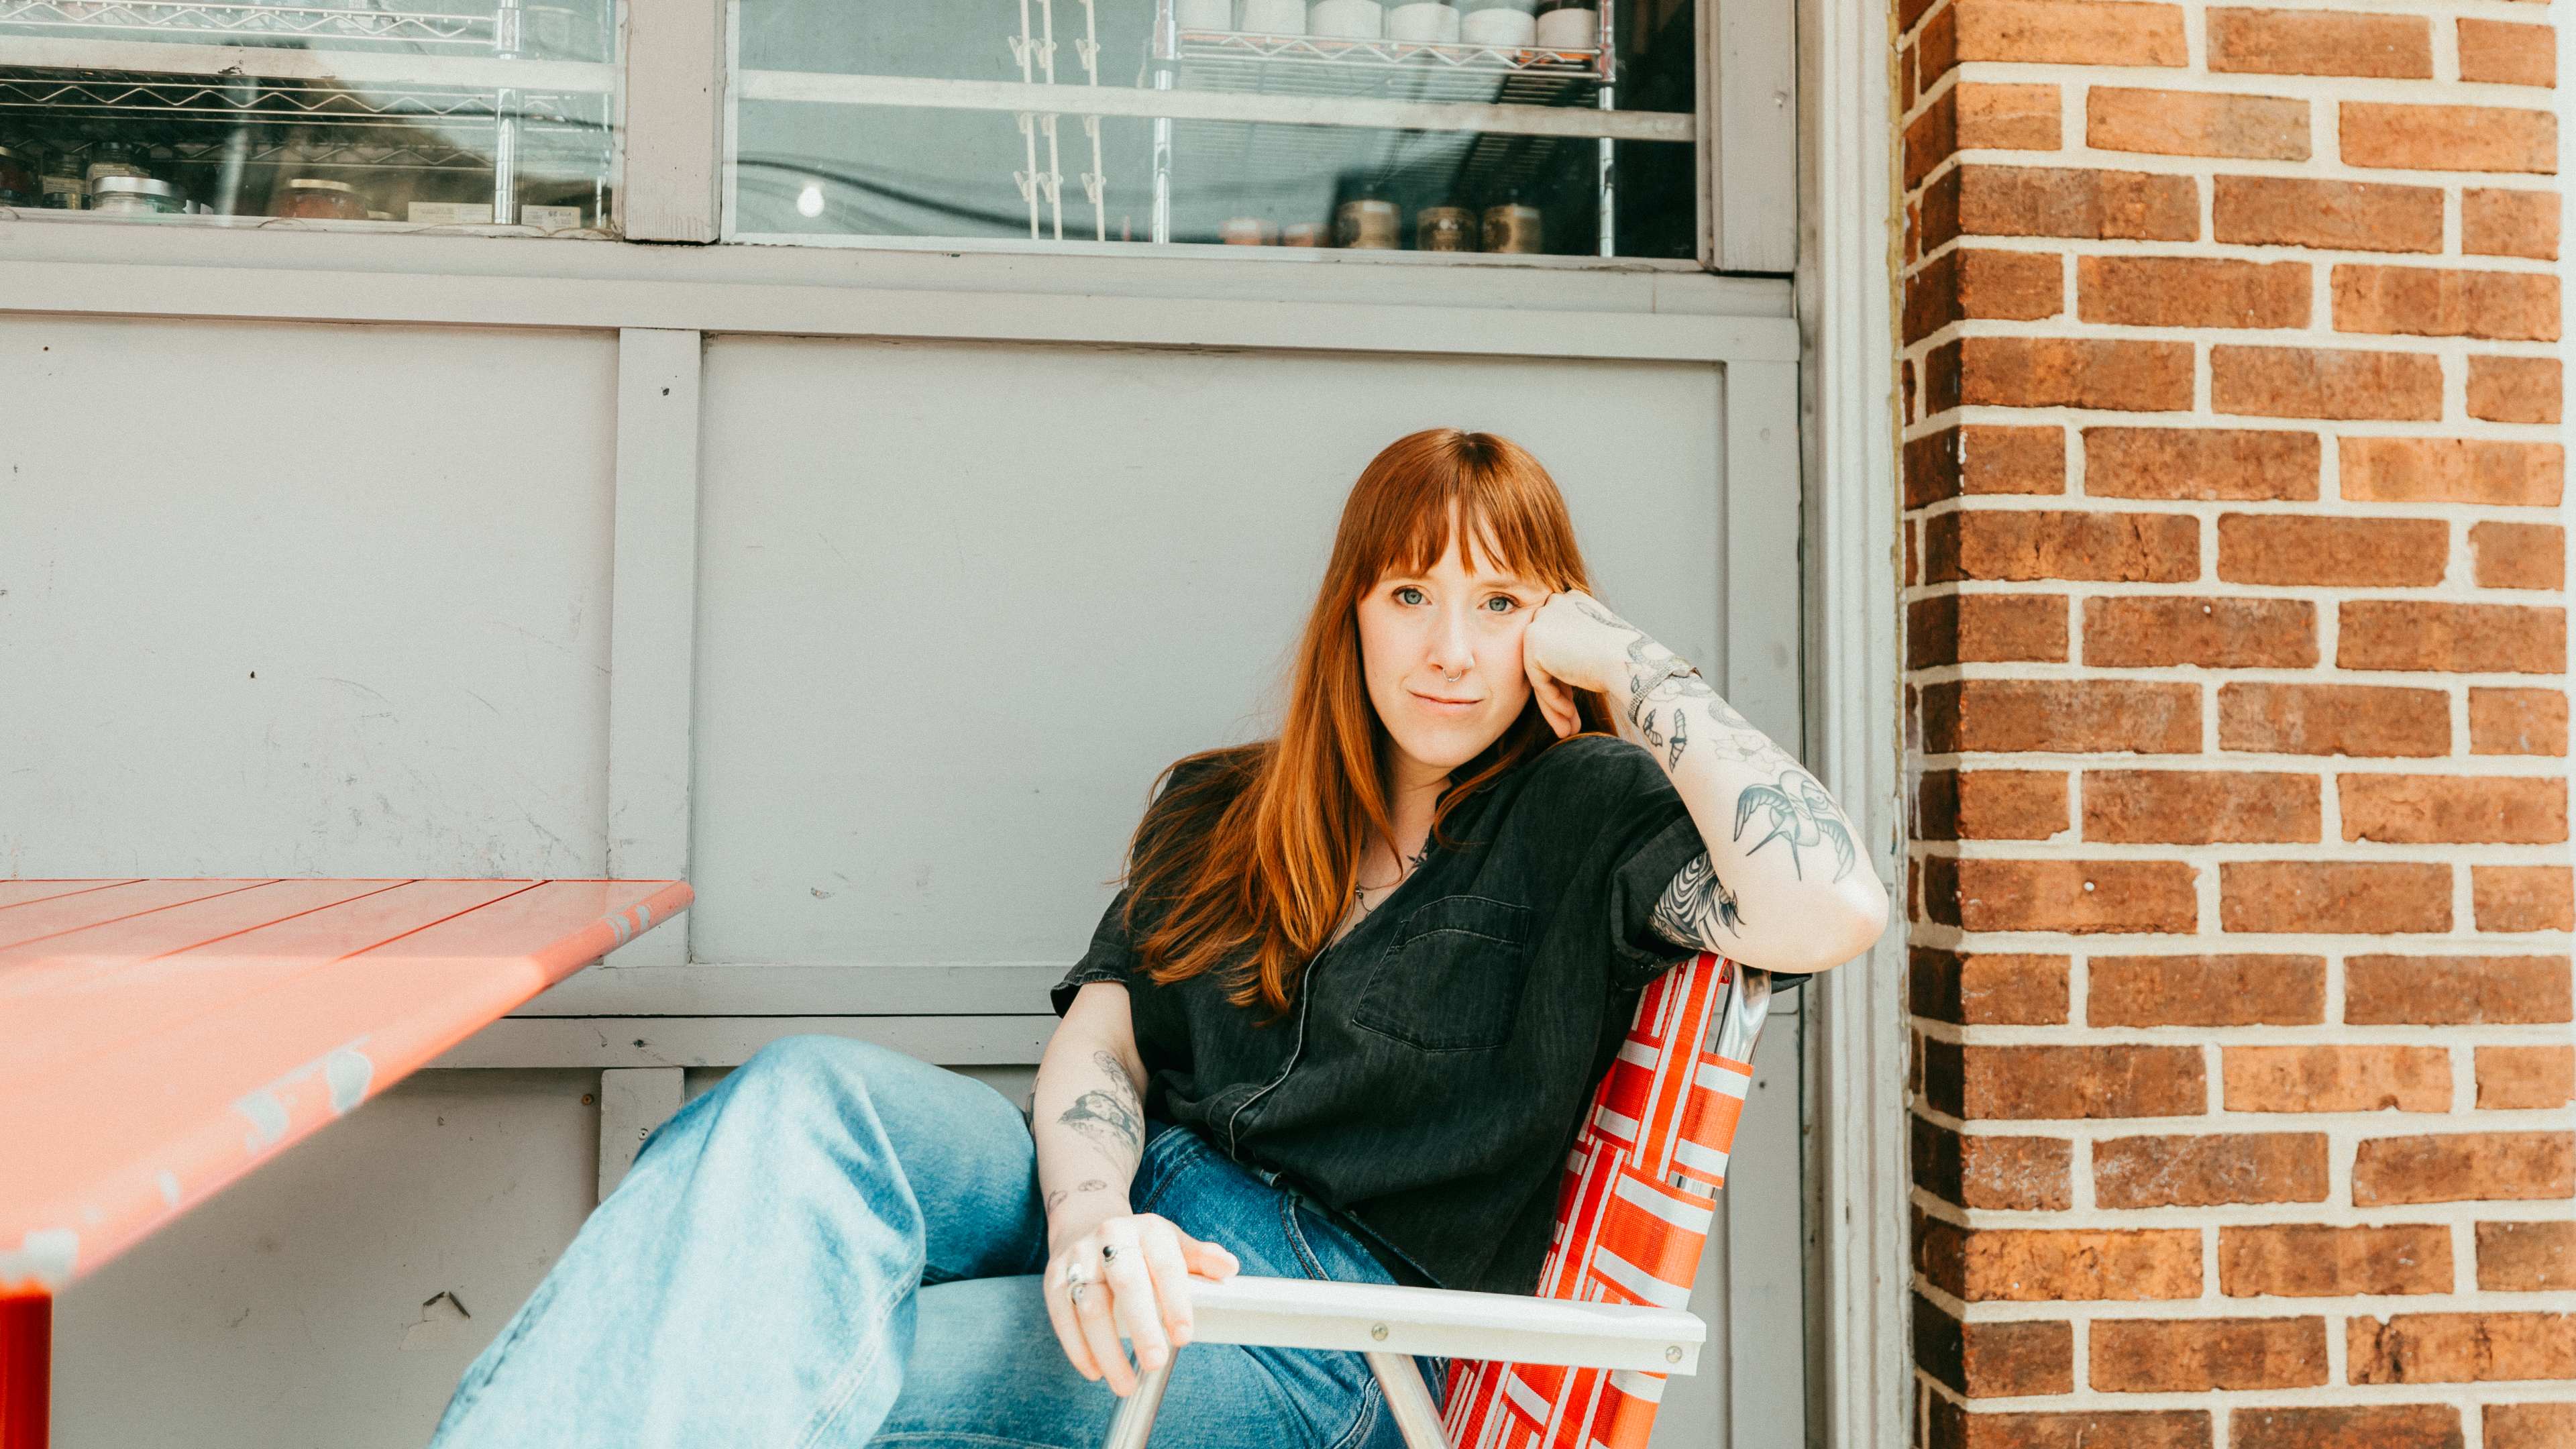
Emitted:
<point x="1258" y="852"/>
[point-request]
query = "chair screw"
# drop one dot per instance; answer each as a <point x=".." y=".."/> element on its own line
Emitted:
<point x="1673" y="1354"/>
<point x="1378" y="1332"/>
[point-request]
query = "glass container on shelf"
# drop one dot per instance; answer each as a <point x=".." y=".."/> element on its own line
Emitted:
<point x="1244" y="122"/>
<point x="407" y="112"/>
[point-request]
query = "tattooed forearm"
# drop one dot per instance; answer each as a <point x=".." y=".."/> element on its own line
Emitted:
<point x="1797" y="810"/>
<point x="1057" y="1197"/>
<point x="1696" y="906"/>
<point x="1109" y="1115"/>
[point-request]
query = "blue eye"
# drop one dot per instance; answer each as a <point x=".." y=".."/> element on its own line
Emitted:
<point x="1507" y="601"/>
<point x="1408" y="595"/>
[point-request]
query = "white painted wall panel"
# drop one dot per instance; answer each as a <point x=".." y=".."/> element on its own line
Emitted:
<point x="958" y="604"/>
<point x="301" y="600"/>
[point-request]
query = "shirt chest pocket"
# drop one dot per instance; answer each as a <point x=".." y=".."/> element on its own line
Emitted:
<point x="1452" y="981"/>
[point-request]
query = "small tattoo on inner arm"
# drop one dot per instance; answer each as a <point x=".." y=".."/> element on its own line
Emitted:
<point x="1696" y="906"/>
<point x="1798" y="811"/>
<point x="1057" y="1197"/>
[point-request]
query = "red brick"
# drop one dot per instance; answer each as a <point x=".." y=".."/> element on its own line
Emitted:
<point x="2008" y="117"/>
<point x="1979" y="458"/>
<point x="2294" y="548"/>
<point x="1990" y="805"/>
<point x="1931" y="138"/>
<point x="2514" y="389"/>
<point x="2459" y="1348"/>
<point x="2499" y="223"/>
<point x="2082" y="715"/>
<point x="2453" y="809"/>
<point x="2337" y="1079"/>
<point x="2154" y="629"/>
<point x="2451" y="470"/>
<point x="2055" y="1083"/>
<point x="1957" y="628"/>
<point x="2196" y="123"/>
<point x="2319" y="42"/>
<point x="2205" y="1171"/>
<point x="1981" y="1171"/>
<point x="2320" y="382"/>
<point x="2332" y="719"/>
<point x="2200" y="807"/>
<point x="2516" y="1077"/>
<point x="2080" y="372"/>
<point x="1993" y="1360"/>
<point x="2315" y="1261"/>
<point x="1987" y="988"/>
<point x="2448" y="138"/>
<point x="2024" y="543"/>
<point x="2517" y="722"/>
<point x="2361" y="897"/>
<point x="2519" y="555"/>
<point x="2463" y="638"/>
<point x="2356" y="1426"/>
<point x="1978" y="200"/>
<point x="2521" y="898"/>
<point x="2256" y="990"/>
<point x="2191" y="292"/>
<point x="2340" y="215"/>
<point x="2506" y="53"/>
<point x="1949" y="1426"/>
<point x="2464" y="1167"/>
<point x="2438" y="302"/>
<point x="2083" y="1264"/>
<point x="2381" y="990"/>
<point x="2064" y="32"/>
<point x="2077" y="896"/>
<point x="2200" y="463"/>
<point x="2527" y="1258"/>
<point x="1964" y="284"/>
<point x="2530" y="1426"/>
<point x="2195" y="1355"/>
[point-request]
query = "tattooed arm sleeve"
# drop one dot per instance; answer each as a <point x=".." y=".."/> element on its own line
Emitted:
<point x="1087" y="1115"/>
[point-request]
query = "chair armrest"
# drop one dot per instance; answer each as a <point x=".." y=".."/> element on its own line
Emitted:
<point x="1383" y="1318"/>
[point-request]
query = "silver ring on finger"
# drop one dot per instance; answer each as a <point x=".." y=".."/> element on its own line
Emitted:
<point x="1073" y="1290"/>
<point x="1108" y="1251"/>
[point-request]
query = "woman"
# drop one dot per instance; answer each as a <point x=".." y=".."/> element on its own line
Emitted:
<point x="1341" y="1022"/>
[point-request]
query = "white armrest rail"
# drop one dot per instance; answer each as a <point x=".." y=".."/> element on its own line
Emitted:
<point x="1379" y="1318"/>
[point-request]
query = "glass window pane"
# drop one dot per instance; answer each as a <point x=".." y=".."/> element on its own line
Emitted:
<point x="410" y="112"/>
<point x="1482" y="126"/>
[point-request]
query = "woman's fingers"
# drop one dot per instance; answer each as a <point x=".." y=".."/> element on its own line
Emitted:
<point x="1208" y="1260"/>
<point x="1133" y="1305"/>
<point x="1092" y="1308"/>
<point x="1068" y="1330"/>
<point x="1161" y="1243"/>
<point x="1555" y="701"/>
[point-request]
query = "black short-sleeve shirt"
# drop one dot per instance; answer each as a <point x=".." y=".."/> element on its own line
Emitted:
<point x="1435" y="1062"/>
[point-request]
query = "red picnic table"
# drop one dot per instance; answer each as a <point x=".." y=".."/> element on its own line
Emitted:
<point x="160" y="1038"/>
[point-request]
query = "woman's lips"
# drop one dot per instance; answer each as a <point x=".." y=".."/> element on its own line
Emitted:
<point x="1446" y="706"/>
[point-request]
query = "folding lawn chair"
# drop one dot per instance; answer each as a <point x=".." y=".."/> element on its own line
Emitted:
<point x="1581" y="1365"/>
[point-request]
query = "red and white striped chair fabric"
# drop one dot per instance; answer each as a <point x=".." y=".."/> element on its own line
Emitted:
<point x="1633" y="1213"/>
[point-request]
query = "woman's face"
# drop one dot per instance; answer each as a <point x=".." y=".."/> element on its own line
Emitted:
<point x="1442" y="654"/>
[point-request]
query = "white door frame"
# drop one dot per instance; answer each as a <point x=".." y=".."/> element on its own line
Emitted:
<point x="1862" y="1377"/>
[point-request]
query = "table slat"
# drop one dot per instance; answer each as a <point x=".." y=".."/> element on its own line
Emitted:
<point x="19" y="892"/>
<point x="37" y="920"/>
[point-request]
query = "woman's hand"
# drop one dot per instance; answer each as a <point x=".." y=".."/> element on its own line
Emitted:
<point x="1130" y="1275"/>
<point x="1573" y="643"/>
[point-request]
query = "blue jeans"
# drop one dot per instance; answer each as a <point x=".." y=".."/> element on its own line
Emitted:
<point x="838" y="1245"/>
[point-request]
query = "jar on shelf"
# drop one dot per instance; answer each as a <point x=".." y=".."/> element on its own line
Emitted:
<point x="21" y="176"/>
<point x="1302" y="234"/>
<point x="1429" y="22"/>
<point x="1512" y="224"/>
<point x="1498" y="22"/>
<point x="1368" y="222"/>
<point x="136" y="196"/>
<point x="63" y="186"/>
<point x="1444" y="229"/>
<point x="1346" y="19"/>
<point x="1274" y="17"/>
<point x="1247" y="231"/>
<point x="1568" y="25"/>
<point x="318" y="198"/>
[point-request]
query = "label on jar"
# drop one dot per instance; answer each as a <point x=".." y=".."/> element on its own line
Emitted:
<point x="550" y="218"/>
<point x="64" y="193"/>
<point x="1511" y="227"/>
<point x="1445" y="229"/>
<point x="450" y="213"/>
<point x="1365" y="223"/>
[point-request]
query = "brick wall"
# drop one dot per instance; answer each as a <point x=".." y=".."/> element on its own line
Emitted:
<point x="2236" y="661"/>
